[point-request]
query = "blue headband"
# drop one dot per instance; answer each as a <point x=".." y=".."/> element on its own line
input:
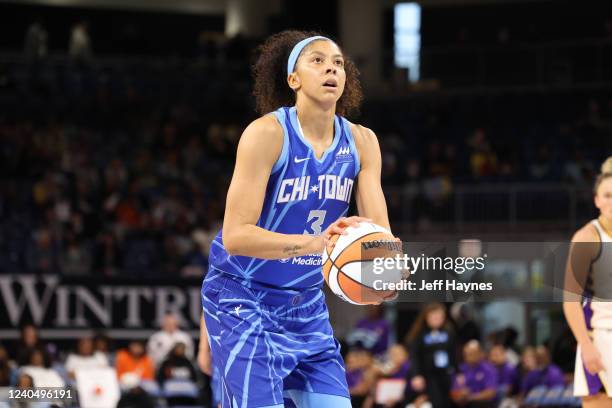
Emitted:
<point x="295" y="52"/>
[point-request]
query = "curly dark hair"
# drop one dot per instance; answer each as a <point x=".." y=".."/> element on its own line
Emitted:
<point x="271" y="90"/>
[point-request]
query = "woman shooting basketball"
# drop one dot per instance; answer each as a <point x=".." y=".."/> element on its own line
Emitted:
<point x="296" y="167"/>
<point x="588" y="275"/>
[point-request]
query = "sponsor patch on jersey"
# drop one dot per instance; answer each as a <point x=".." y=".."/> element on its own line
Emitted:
<point x="344" y="155"/>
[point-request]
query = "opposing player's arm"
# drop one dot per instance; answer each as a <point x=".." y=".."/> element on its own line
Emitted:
<point x="369" y="194"/>
<point x="583" y="250"/>
<point x="258" y="149"/>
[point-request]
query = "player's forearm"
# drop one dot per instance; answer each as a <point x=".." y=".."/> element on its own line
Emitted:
<point x="575" y="319"/>
<point x="376" y="211"/>
<point x="256" y="242"/>
<point x="203" y="332"/>
<point x="373" y="206"/>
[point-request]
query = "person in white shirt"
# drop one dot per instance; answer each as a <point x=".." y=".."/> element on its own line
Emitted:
<point x="161" y="342"/>
<point x="85" y="357"/>
<point x="41" y="375"/>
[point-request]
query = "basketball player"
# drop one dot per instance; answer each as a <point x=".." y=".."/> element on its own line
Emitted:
<point x="296" y="167"/>
<point x="588" y="274"/>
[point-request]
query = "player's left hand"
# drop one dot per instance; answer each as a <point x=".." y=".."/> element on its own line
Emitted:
<point x="338" y="227"/>
<point x="204" y="360"/>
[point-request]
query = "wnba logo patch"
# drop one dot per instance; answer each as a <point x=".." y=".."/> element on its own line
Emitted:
<point x="344" y="155"/>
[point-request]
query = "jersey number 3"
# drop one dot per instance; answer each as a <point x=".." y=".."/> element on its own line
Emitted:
<point x="318" y="216"/>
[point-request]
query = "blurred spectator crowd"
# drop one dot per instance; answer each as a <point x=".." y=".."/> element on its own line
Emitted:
<point x="123" y="164"/>
<point x="161" y="368"/>
<point x="113" y="167"/>
<point x="442" y="361"/>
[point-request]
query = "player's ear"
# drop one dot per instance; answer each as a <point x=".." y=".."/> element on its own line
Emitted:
<point x="293" y="80"/>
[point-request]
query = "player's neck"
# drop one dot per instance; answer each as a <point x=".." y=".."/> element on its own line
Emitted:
<point x="317" y="122"/>
<point x="606" y="224"/>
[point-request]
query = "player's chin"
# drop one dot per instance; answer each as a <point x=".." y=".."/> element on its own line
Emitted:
<point x="331" y="93"/>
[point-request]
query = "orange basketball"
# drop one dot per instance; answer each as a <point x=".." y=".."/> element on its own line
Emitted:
<point x="348" y="268"/>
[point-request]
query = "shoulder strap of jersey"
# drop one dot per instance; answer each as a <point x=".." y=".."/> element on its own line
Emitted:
<point x="283" y="119"/>
<point x="603" y="235"/>
<point x="346" y="128"/>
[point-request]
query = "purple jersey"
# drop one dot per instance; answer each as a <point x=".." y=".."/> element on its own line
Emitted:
<point x="507" y="377"/>
<point x="402" y="371"/>
<point x="354" y="377"/>
<point x="549" y="376"/>
<point x="372" y="334"/>
<point x="476" y="378"/>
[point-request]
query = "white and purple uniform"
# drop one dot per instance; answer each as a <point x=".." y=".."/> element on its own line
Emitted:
<point x="598" y="316"/>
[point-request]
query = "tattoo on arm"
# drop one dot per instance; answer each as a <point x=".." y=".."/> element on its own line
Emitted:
<point x="292" y="250"/>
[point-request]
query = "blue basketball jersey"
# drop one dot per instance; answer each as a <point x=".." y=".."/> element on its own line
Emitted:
<point x="304" y="195"/>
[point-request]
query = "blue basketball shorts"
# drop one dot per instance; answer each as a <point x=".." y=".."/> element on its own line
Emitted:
<point x="270" y="346"/>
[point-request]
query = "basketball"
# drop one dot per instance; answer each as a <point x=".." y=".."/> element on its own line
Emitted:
<point x="348" y="267"/>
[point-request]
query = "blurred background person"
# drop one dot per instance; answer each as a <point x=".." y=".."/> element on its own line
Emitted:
<point x="360" y="374"/>
<point x="475" y="384"/>
<point x="27" y="343"/>
<point x="162" y="341"/>
<point x="102" y="346"/>
<point x="133" y="364"/>
<point x="507" y="374"/>
<point x="35" y="44"/>
<point x="38" y="367"/>
<point x="176" y="366"/>
<point x="372" y="331"/>
<point x="85" y="357"/>
<point x="540" y="371"/>
<point x="79" y="47"/>
<point x="6" y="368"/>
<point x="433" y="356"/>
<point x="394" y="366"/>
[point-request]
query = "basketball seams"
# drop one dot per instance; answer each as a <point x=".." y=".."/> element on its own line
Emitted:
<point x="334" y="264"/>
<point x="349" y="245"/>
<point x="367" y="288"/>
<point x="381" y="236"/>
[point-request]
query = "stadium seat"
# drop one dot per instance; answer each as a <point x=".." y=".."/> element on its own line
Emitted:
<point x="568" y="398"/>
<point x="553" y="396"/>
<point x="151" y="387"/>
<point x="180" y="388"/>
<point x="536" y="395"/>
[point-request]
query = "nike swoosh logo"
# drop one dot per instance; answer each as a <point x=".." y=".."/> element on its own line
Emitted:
<point x="296" y="160"/>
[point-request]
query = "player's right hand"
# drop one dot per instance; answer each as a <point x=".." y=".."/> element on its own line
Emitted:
<point x="591" y="358"/>
<point x="338" y="227"/>
<point x="204" y="360"/>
